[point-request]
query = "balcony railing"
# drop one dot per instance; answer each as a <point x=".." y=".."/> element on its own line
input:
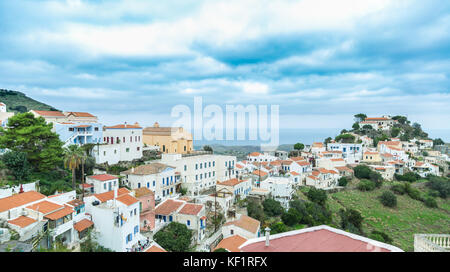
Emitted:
<point x="432" y="242"/>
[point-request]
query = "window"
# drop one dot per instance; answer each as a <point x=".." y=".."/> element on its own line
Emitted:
<point x="205" y="164"/>
<point x="185" y="168"/>
<point x="96" y="128"/>
<point x="104" y="186"/>
<point x="71" y="129"/>
<point x="196" y="166"/>
<point x="154" y="183"/>
<point x="231" y="232"/>
<point x="148" y="184"/>
<point x="136" y="229"/>
<point x="134" y="211"/>
<point x="189" y="222"/>
<point x="209" y="165"/>
<point x="138" y="148"/>
<point x="127" y="150"/>
<point x="124" y="139"/>
<point x="139" y="185"/>
<point x="214" y="163"/>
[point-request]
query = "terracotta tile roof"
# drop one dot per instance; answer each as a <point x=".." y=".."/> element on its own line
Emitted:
<point x="303" y="163"/>
<point x="155" y="248"/>
<point x="259" y="173"/>
<point x="315" y="173"/>
<point x="75" y="202"/>
<point x="376" y="118"/>
<point x="335" y="160"/>
<point x="275" y="163"/>
<point x="419" y="163"/>
<point x="127" y="199"/>
<point x="103" y="197"/>
<point x="312" y="177"/>
<point x="79" y="114"/>
<point x="83" y="224"/>
<point x="147" y="169"/>
<point x="191" y="209"/>
<point x="60" y="213"/>
<point x="317" y="239"/>
<point x="245" y="222"/>
<point x="18" y="200"/>
<point x="239" y="166"/>
<point x="143" y="191"/>
<point x="49" y="113"/>
<point x="86" y="185"/>
<point x="297" y="158"/>
<point x="387" y="155"/>
<point x="123" y="126"/>
<point x="168" y="207"/>
<point x="254" y="154"/>
<point x="45" y="207"/>
<point x="294" y="173"/>
<point x="22" y="221"/>
<point x="344" y="168"/>
<point x="286" y="162"/>
<point x="230" y="182"/>
<point x="103" y="177"/>
<point x="317" y="144"/>
<point x="231" y="243"/>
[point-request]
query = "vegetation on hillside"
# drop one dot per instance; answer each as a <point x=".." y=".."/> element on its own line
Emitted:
<point x="18" y="102"/>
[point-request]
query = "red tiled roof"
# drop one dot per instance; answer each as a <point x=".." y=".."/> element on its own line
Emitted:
<point x="297" y="158"/>
<point x="192" y="209"/>
<point x="319" y="240"/>
<point x="86" y="185"/>
<point x="103" y="197"/>
<point x="122" y="126"/>
<point x="103" y="177"/>
<point x="80" y="114"/>
<point x="303" y="163"/>
<point x="245" y="222"/>
<point x="18" y="200"/>
<point x="155" y="248"/>
<point x="168" y="206"/>
<point x="230" y="182"/>
<point x="83" y="224"/>
<point x="22" y="221"/>
<point x="259" y="173"/>
<point x="127" y="199"/>
<point x="254" y="154"/>
<point x="335" y="160"/>
<point x="294" y="173"/>
<point x="50" y="113"/>
<point x="45" y="207"/>
<point x="59" y="213"/>
<point x="231" y="243"/>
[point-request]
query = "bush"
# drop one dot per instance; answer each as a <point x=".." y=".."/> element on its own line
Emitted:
<point x="410" y="177"/>
<point x="362" y="171"/>
<point x="272" y="207"/>
<point x="318" y="196"/>
<point x="380" y="236"/>
<point x="220" y="250"/>
<point x="343" y="181"/>
<point x="376" y="178"/>
<point x="174" y="237"/>
<point x="291" y="217"/>
<point x="278" y="227"/>
<point x="388" y="199"/>
<point x="255" y="210"/>
<point x="440" y="184"/>
<point x="413" y="192"/>
<point x="398" y="188"/>
<point x="366" y="185"/>
<point x="430" y="202"/>
<point x="316" y="215"/>
<point x="351" y="220"/>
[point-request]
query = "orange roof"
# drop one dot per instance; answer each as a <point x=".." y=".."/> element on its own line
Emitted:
<point x="315" y="173"/>
<point x="75" y="202"/>
<point x="239" y="166"/>
<point x="303" y="163"/>
<point x="192" y="209"/>
<point x="82" y="225"/>
<point x="275" y="162"/>
<point x="231" y="243"/>
<point x="344" y="168"/>
<point x="122" y="126"/>
<point x="245" y="222"/>
<point x="387" y="155"/>
<point x="294" y="173"/>
<point x="168" y="206"/>
<point x="312" y="177"/>
<point x="18" y="200"/>
<point x="60" y="213"/>
<point x="380" y="168"/>
<point x="103" y="177"/>
<point x="297" y="158"/>
<point x="259" y="173"/>
<point x="317" y="144"/>
<point x="287" y="162"/>
<point x="337" y="159"/>
<point x="230" y="182"/>
<point x="155" y="248"/>
<point x="127" y="199"/>
<point x="419" y="163"/>
<point x="80" y="114"/>
<point x="143" y="191"/>
<point x="103" y="197"/>
<point x="22" y="221"/>
<point x="254" y="154"/>
<point x="376" y="118"/>
<point x="45" y="207"/>
<point x="370" y="153"/>
<point x="49" y="113"/>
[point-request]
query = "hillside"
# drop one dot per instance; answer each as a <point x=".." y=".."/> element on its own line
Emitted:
<point x="18" y="102"/>
<point x="241" y="151"/>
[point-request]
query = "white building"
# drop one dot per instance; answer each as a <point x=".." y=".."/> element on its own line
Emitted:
<point x="280" y="188"/>
<point x="244" y="226"/>
<point x="352" y="153"/>
<point x="261" y="157"/>
<point x="201" y="172"/>
<point x="103" y="183"/>
<point x="322" y="178"/>
<point x="120" y="143"/>
<point x="158" y="177"/>
<point x="116" y="218"/>
<point x="240" y="188"/>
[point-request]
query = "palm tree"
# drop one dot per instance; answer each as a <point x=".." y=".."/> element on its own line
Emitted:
<point x="72" y="160"/>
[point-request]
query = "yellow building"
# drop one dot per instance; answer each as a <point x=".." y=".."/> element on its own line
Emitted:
<point x="372" y="157"/>
<point x="169" y="139"/>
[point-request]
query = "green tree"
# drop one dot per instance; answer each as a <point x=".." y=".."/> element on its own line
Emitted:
<point x="255" y="210"/>
<point x="72" y="160"/>
<point x="291" y="217"/>
<point x="328" y="140"/>
<point x="355" y="126"/>
<point x="388" y="199"/>
<point x="345" y="138"/>
<point x="220" y="250"/>
<point x="174" y="237"/>
<point x="401" y="119"/>
<point x="298" y="147"/>
<point x="343" y="181"/>
<point x="366" y="185"/>
<point x="278" y="227"/>
<point x="318" y="196"/>
<point x="17" y="163"/>
<point x="360" y="117"/>
<point x="438" y="141"/>
<point x="351" y="219"/>
<point x="272" y="207"/>
<point x="395" y="131"/>
<point x="207" y="148"/>
<point x="362" y="171"/>
<point x="33" y="136"/>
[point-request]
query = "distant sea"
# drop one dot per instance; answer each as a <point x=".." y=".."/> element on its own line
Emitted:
<point x="308" y="136"/>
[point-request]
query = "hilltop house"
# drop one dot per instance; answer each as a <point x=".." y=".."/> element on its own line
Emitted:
<point x="322" y="178"/>
<point x="351" y="153"/>
<point x="102" y="183"/>
<point x="280" y="188"/>
<point x="239" y="187"/>
<point x="245" y="226"/>
<point x="168" y="139"/>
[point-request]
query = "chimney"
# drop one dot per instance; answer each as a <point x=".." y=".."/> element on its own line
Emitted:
<point x="267" y="236"/>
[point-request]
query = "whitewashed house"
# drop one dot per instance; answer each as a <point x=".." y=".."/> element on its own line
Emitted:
<point x="103" y="183"/>
<point x="280" y="188"/>
<point x="244" y="226"/>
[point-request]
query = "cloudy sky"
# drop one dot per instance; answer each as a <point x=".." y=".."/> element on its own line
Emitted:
<point x="321" y="61"/>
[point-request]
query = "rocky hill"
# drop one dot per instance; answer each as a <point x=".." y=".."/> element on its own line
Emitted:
<point x="18" y="102"/>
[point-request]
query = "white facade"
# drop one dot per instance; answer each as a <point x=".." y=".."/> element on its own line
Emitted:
<point x="103" y="183"/>
<point x="352" y="153"/>
<point x="201" y="172"/>
<point x="280" y="188"/>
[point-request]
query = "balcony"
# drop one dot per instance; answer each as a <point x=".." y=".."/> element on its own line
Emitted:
<point x="432" y="242"/>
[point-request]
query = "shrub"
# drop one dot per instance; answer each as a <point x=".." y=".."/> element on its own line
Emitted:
<point x="376" y="178"/>
<point x="362" y="171"/>
<point x="291" y="217"/>
<point x="255" y="210"/>
<point x="440" y="184"/>
<point x="366" y="185"/>
<point x="343" y="181"/>
<point x="272" y="207"/>
<point x="380" y="236"/>
<point x="398" y="188"/>
<point x="388" y="199"/>
<point x="316" y="215"/>
<point x="430" y="202"/>
<point x="278" y="227"/>
<point x="410" y="177"/>
<point x="351" y="219"/>
<point x="318" y="196"/>
<point x="413" y="192"/>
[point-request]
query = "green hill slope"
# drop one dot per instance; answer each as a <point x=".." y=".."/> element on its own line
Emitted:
<point x="18" y="102"/>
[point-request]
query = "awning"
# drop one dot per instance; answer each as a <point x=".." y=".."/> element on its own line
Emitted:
<point x="83" y="224"/>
